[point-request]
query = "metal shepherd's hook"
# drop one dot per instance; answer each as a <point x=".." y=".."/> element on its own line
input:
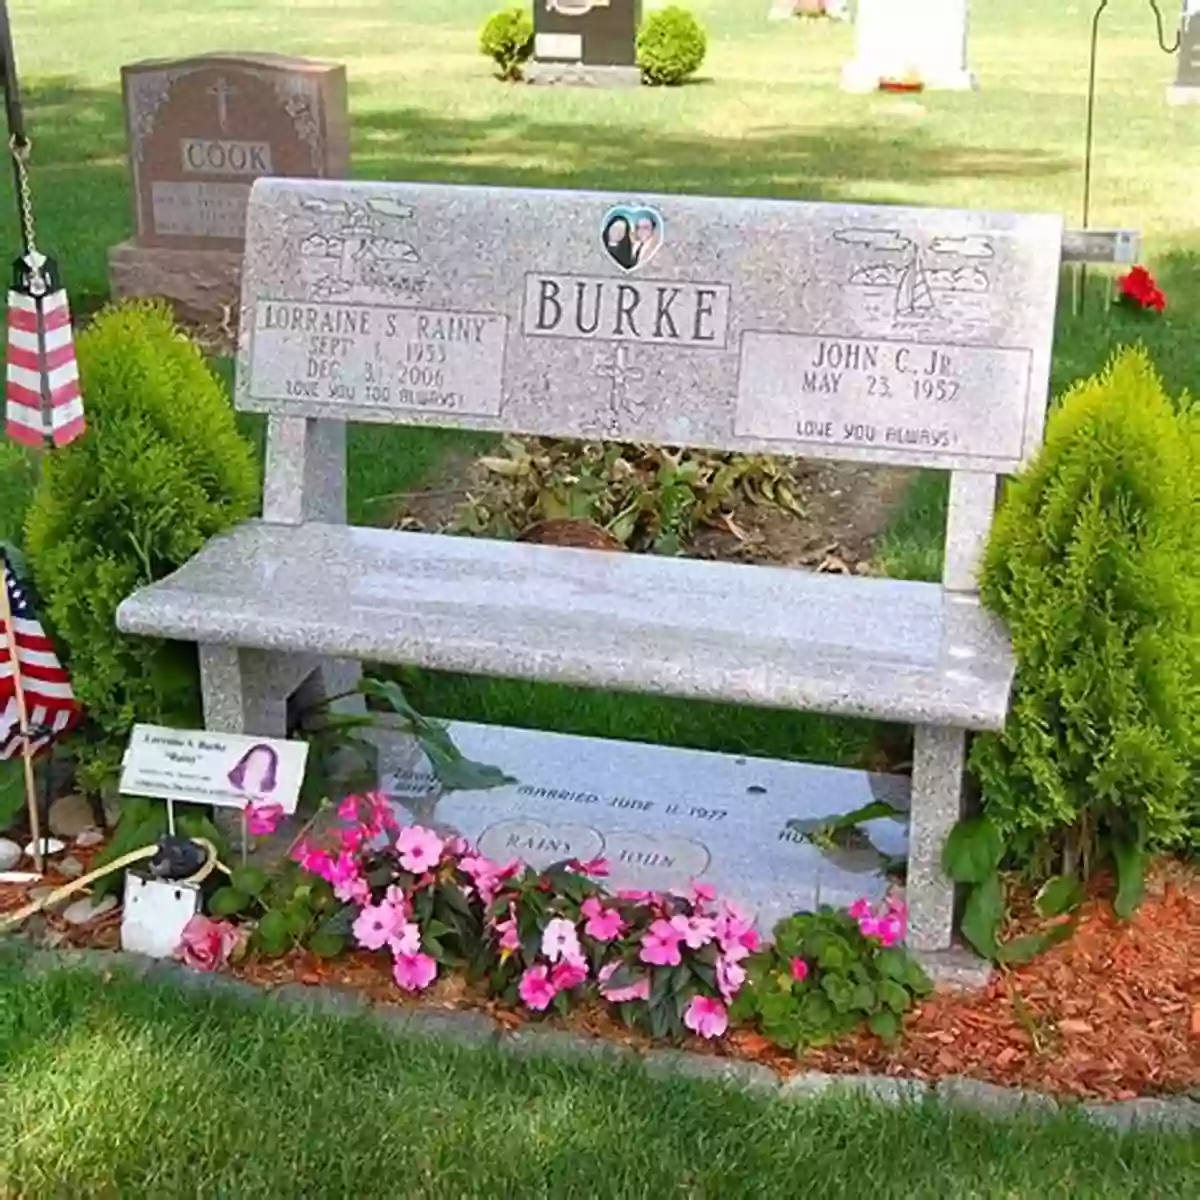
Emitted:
<point x="1091" y="118"/>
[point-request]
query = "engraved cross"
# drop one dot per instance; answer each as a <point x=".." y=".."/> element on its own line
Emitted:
<point x="222" y="91"/>
<point x="619" y="373"/>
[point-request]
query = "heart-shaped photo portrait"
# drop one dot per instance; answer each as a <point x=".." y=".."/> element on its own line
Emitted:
<point x="632" y="236"/>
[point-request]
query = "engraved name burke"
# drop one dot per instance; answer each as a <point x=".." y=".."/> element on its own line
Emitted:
<point x="595" y="307"/>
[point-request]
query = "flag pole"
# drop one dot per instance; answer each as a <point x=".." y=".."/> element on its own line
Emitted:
<point x="10" y="628"/>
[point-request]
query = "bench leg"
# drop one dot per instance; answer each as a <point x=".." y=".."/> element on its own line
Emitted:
<point x="939" y="768"/>
<point x="241" y="691"/>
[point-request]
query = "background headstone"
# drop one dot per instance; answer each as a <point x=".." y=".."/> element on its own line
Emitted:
<point x="1186" y="89"/>
<point x="899" y="40"/>
<point x="200" y="132"/>
<point x="586" y="42"/>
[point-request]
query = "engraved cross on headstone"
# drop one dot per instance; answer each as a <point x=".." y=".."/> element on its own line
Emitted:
<point x="222" y="90"/>
<point x="619" y="373"/>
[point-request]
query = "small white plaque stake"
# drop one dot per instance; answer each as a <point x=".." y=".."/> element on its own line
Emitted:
<point x="156" y="910"/>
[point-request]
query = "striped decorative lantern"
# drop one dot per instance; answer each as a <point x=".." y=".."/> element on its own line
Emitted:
<point x="42" y="388"/>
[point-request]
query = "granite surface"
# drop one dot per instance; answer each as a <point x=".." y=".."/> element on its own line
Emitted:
<point x="896" y="335"/>
<point x="661" y="816"/>
<point x="754" y="635"/>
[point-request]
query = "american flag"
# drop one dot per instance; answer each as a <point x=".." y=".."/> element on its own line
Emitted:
<point x="50" y="705"/>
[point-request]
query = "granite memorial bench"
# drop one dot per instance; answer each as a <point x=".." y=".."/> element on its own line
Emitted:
<point x="903" y="337"/>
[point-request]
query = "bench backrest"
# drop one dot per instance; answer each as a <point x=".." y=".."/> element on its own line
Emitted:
<point x="904" y="336"/>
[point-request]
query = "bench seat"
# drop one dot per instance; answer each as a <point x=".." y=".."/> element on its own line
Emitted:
<point x="766" y="636"/>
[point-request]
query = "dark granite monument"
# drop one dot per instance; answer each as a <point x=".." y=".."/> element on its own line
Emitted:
<point x="590" y="42"/>
<point x="1186" y="89"/>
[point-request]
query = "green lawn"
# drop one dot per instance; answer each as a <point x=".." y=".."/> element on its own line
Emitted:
<point x="120" y="1087"/>
<point x="767" y="118"/>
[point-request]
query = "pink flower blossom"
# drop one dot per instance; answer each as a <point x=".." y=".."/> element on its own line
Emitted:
<point x="602" y="924"/>
<point x="348" y="809"/>
<point x="860" y="909"/>
<point x="736" y="935"/>
<point x="353" y="840"/>
<point x="262" y="819"/>
<point x="568" y="974"/>
<point x="703" y="893"/>
<point x="799" y="969"/>
<point x="348" y="884"/>
<point x="510" y="939"/>
<point x="730" y="977"/>
<point x="599" y="868"/>
<point x="889" y="929"/>
<point x="456" y="847"/>
<point x="706" y="1016"/>
<point x="695" y="931"/>
<point x="620" y="995"/>
<point x="419" y="849"/>
<point x="396" y="897"/>
<point x="660" y="945"/>
<point x="484" y="874"/>
<point x="414" y="972"/>
<point x="314" y="861"/>
<point x="207" y="945"/>
<point x="405" y="941"/>
<point x="536" y="989"/>
<point x="639" y="897"/>
<point x="376" y="925"/>
<point x="559" y="940"/>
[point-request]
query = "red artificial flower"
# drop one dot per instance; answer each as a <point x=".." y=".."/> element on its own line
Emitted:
<point x="1138" y="290"/>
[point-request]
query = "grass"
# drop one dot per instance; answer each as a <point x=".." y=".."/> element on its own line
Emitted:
<point x="112" y="1086"/>
<point x="766" y="118"/>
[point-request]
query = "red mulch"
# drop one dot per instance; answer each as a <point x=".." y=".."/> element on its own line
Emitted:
<point x="1112" y="1013"/>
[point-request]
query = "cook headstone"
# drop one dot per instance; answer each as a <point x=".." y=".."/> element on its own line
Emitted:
<point x="200" y="132"/>
<point x="1186" y="89"/>
<point x="663" y="817"/>
<point x="910" y="41"/>
<point x="590" y="42"/>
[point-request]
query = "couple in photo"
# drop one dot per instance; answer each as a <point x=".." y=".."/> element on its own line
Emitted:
<point x="632" y="238"/>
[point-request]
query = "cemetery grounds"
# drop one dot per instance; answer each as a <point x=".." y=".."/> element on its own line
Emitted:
<point x="766" y="119"/>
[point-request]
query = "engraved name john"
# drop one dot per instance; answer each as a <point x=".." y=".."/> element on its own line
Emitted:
<point x="586" y="307"/>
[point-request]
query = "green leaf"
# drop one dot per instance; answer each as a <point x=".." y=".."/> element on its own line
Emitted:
<point x="1062" y="894"/>
<point x="973" y="851"/>
<point x="623" y="977"/>
<point x="893" y="963"/>
<point x="228" y="902"/>
<point x="250" y="880"/>
<point x="456" y="898"/>
<point x="884" y="1024"/>
<point x="658" y="1020"/>
<point x="839" y="991"/>
<point x="862" y="997"/>
<point x="12" y="789"/>
<point x="915" y="978"/>
<point x="325" y="944"/>
<point x="868" y="812"/>
<point x="982" y="916"/>
<point x="1130" y="860"/>
<point x="1027" y="947"/>
<point x="273" y="936"/>
<point x="660" y="985"/>
<point x="894" y="996"/>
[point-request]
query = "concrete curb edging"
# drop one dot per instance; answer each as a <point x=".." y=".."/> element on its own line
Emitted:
<point x="469" y="1028"/>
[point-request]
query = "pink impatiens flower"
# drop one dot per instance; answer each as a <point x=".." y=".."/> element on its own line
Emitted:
<point x="559" y="941"/>
<point x="599" y="868"/>
<point x="799" y="969"/>
<point x="377" y="924"/>
<point x="730" y="977"/>
<point x="418" y="849"/>
<point x="414" y="972"/>
<point x="406" y="939"/>
<point x="348" y="884"/>
<point x="602" y="924"/>
<point x="695" y="931"/>
<point x="736" y="935"/>
<point x="568" y="974"/>
<point x="536" y="989"/>
<point x="860" y="908"/>
<point x="510" y="939"/>
<point x="660" y="945"/>
<point x="263" y="819"/>
<point x="637" y="896"/>
<point x="706" y="1016"/>
<point x="619" y="995"/>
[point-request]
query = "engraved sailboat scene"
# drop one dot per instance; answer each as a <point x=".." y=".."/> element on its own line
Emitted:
<point x="904" y="283"/>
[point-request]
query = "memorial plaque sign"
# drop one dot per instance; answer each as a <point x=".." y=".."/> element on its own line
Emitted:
<point x="908" y="336"/>
<point x="661" y="816"/>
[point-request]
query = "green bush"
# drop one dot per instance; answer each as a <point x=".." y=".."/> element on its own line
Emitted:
<point x="670" y="46"/>
<point x="507" y="37"/>
<point x="1094" y="563"/>
<point x="161" y="469"/>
